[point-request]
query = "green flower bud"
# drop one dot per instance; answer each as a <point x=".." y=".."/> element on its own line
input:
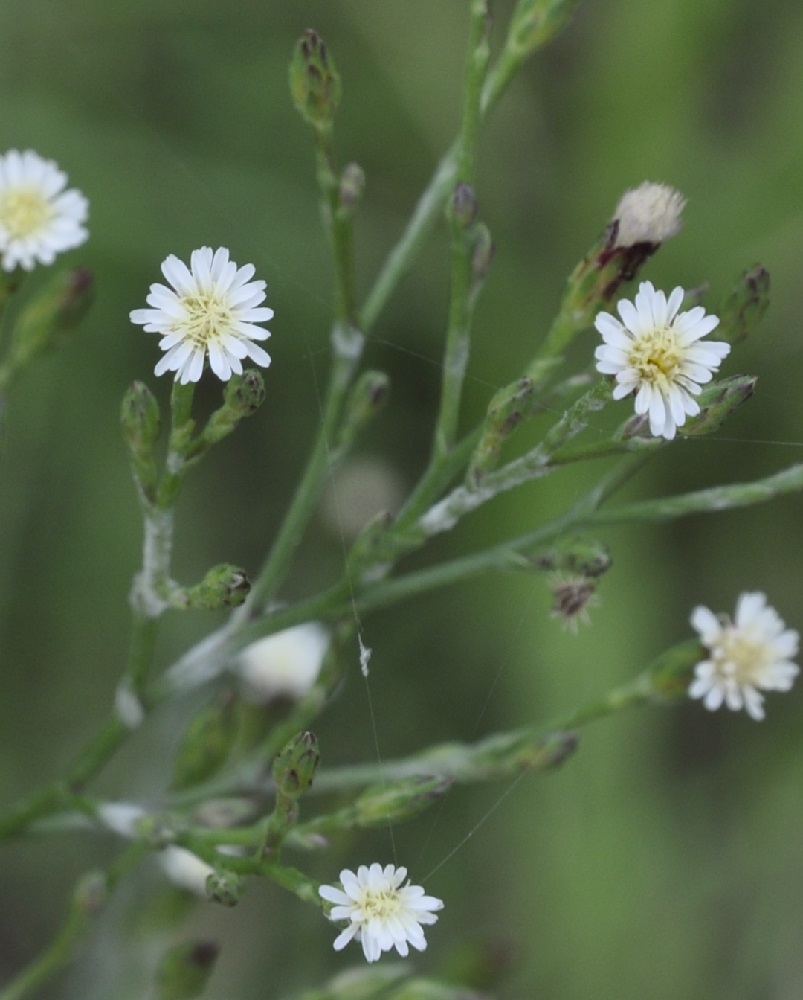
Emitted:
<point x="366" y="399"/>
<point x="669" y="677"/>
<point x="314" y="81"/>
<point x="53" y="313"/>
<point x="139" y="417"/>
<point x="224" y="887"/>
<point x="91" y="893"/>
<point x="224" y="586"/>
<point x="582" y="556"/>
<point x="245" y="393"/>
<point x="463" y="205"/>
<point x="717" y="402"/>
<point x="294" y="768"/>
<point x="399" y="800"/>
<point x="505" y="412"/>
<point x="207" y="743"/>
<point x="482" y="254"/>
<point x="185" y="970"/>
<point x="746" y="305"/>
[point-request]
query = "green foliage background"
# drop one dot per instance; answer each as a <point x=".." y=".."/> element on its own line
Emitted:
<point x="665" y="859"/>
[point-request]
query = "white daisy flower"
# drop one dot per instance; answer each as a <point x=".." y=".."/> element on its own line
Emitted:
<point x="38" y="218"/>
<point x="382" y="913"/>
<point x="283" y="665"/>
<point x="212" y="309"/>
<point x="650" y="213"/>
<point x="656" y="353"/>
<point x="753" y="652"/>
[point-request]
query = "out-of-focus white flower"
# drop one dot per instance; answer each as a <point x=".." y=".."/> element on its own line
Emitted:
<point x="212" y="309"/>
<point x="283" y="665"/>
<point x="750" y="654"/>
<point x="656" y="353"/>
<point x="121" y="817"/>
<point x="381" y="912"/>
<point x="185" y="869"/>
<point x="650" y="213"/>
<point x="38" y="218"/>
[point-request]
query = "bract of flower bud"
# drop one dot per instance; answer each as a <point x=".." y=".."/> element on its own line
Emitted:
<point x="650" y="213"/>
<point x="284" y="665"/>
<point x="463" y="204"/>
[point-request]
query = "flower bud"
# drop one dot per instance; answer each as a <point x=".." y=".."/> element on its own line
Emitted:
<point x="505" y="412"/>
<point x="224" y="887"/>
<point x="314" y="81"/>
<point x="463" y="206"/>
<point x="583" y="556"/>
<point x="185" y="970"/>
<point x="295" y="766"/>
<point x="399" y="800"/>
<point x="224" y="586"/>
<point x="746" y="305"/>
<point x="244" y="394"/>
<point x="206" y="744"/>
<point x="717" y="402"/>
<point x="482" y="254"/>
<point x="140" y="421"/>
<point x="56" y="310"/>
<point x="91" y="893"/>
<point x="365" y="401"/>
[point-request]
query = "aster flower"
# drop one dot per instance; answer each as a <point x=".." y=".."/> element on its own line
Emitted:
<point x="752" y="653"/>
<point x="284" y="665"/>
<point x="212" y="309"/>
<point x="38" y="218"/>
<point x="382" y="913"/>
<point x="650" y="213"/>
<point x="655" y="352"/>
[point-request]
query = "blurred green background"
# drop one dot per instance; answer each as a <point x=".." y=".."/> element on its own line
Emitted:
<point x="665" y="859"/>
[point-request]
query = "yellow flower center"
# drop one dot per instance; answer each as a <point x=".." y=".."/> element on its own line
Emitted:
<point x="207" y="317"/>
<point x="24" y="211"/>
<point x="381" y="903"/>
<point x="740" y="658"/>
<point x="656" y="356"/>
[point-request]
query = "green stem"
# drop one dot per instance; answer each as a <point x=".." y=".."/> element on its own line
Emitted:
<point x="462" y="219"/>
<point x="432" y="200"/>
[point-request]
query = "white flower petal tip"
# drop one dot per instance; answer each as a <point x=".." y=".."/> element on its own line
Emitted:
<point x="751" y="654"/>
<point x="650" y="213"/>
<point x="657" y="353"/>
<point x="382" y="913"/>
<point x="212" y="310"/>
<point x="38" y="218"/>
